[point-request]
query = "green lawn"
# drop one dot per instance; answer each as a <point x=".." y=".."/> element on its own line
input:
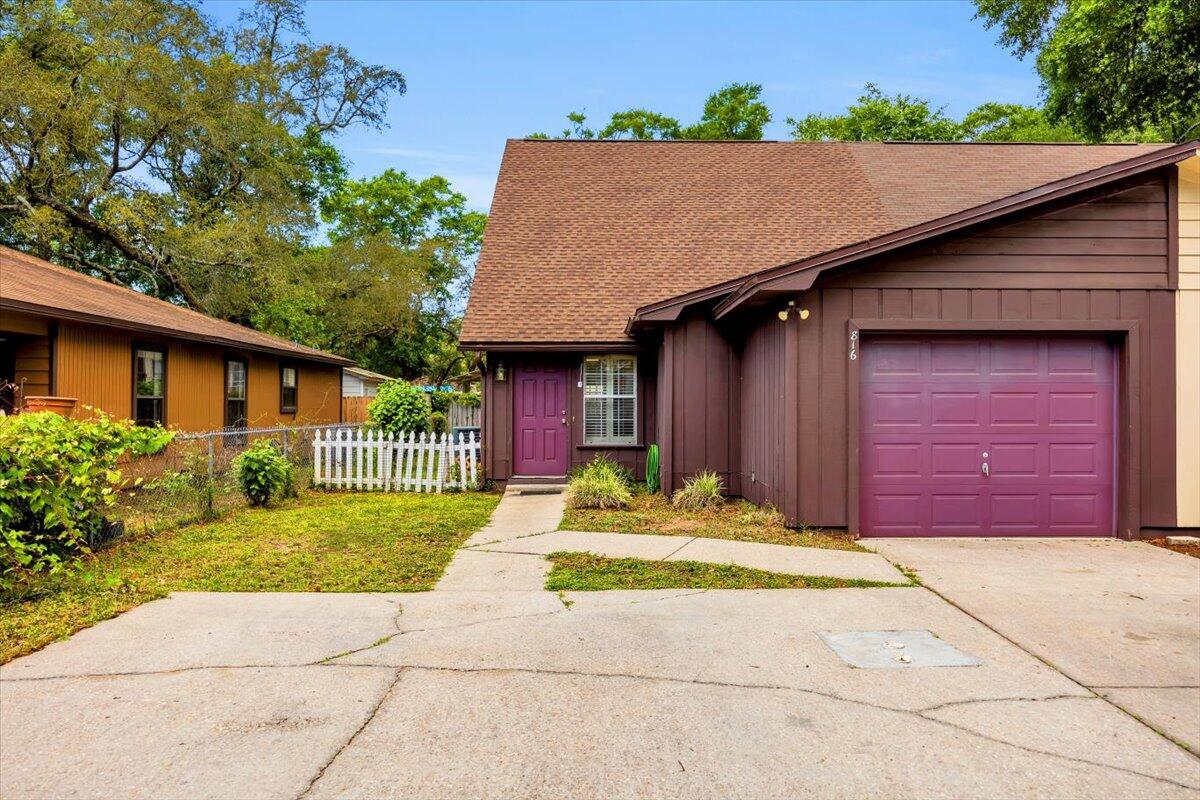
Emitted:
<point x="320" y="542"/>
<point x="585" y="572"/>
<point x="736" y="519"/>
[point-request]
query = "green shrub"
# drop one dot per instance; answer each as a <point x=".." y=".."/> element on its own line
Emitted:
<point x="653" y="477"/>
<point x="438" y="422"/>
<point x="439" y="402"/>
<point x="399" y="407"/>
<point x="603" y="465"/>
<point x="702" y="490"/>
<point x="468" y="399"/>
<point x="57" y="477"/>
<point x="262" y="472"/>
<point x="601" y="483"/>
<point x="598" y="489"/>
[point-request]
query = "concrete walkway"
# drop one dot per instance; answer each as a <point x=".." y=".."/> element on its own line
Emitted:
<point x="1121" y="618"/>
<point x="510" y="553"/>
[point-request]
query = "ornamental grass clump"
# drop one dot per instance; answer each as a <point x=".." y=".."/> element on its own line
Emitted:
<point x="702" y="490"/>
<point x="263" y="473"/>
<point x="58" y="476"/>
<point x="602" y="484"/>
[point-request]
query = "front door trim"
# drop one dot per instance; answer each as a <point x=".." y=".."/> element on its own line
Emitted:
<point x="1125" y="339"/>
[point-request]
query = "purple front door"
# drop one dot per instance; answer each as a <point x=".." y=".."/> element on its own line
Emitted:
<point x="540" y="420"/>
<point x="986" y="436"/>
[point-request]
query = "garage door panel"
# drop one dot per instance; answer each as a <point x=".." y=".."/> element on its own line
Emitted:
<point x="1037" y="410"/>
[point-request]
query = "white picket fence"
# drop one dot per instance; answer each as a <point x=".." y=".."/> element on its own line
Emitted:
<point x="371" y="460"/>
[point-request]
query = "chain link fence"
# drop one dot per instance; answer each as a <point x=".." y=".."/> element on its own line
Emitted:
<point x="193" y="478"/>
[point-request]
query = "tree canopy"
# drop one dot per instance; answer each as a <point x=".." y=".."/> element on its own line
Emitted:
<point x="1110" y="68"/>
<point x="901" y="117"/>
<point x="146" y="145"/>
<point x="732" y="112"/>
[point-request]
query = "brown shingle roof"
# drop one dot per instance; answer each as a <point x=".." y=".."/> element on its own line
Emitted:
<point x="582" y="233"/>
<point x="36" y="285"/>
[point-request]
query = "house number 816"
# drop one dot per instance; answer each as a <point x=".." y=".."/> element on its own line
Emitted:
<point x="853" y="345"/>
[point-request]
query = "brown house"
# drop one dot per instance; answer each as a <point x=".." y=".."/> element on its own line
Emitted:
<point x="91" y="343"/>
<point x="901" y="339"/>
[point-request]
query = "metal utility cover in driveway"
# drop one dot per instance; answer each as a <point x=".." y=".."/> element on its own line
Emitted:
<point x="896" y="650"/>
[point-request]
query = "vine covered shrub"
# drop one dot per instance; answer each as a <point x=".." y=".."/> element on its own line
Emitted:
<point x="702" y="490"/>
<point x="57" y="477"/>
<point x="399" y="407"/>
<point x="262" y="472"/>
<point x="439" y="402"/>
<point x="601" y="483"/>
<point x="438" y="422"/>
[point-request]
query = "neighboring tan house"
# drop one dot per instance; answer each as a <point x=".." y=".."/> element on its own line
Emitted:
<point x="66" y="335"/>
<point x="359" y="382"/>
<point x="899" y="339"/>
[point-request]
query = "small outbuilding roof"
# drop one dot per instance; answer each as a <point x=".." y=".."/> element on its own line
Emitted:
<point x="583" y="233"/>
<point x="32" y="284"/>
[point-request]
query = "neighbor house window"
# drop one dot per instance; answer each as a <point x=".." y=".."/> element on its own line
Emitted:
<point x="149" y="386"/>
<point x="235" y="393"/>
<point x="287" y="389"/>
<point x="610" y="400"/>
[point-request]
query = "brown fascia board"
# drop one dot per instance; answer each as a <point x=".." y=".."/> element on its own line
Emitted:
<point x="806" y="271"/>
<point x="174" y="333"/>
<point x="669" y="310"/>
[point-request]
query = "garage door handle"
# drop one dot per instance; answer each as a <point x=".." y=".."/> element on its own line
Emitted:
<point x="985" y="469"/>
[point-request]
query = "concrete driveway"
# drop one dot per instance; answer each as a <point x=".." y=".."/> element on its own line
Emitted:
<point x="526" y="694"/>
<point x="1121" y="618"/>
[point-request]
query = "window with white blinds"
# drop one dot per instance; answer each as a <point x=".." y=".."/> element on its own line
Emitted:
<point x="610" y="400"/>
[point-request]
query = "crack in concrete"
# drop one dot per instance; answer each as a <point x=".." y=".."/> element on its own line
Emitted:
<point x="369" y="719"/>
<point x="677" y="549"/>
<point x="1047" y="662"/>
<point x="919" y="714"/>
<point x="979" y="700"/>
<point x="1184" y="686"/>
<point x="181" y="670"/>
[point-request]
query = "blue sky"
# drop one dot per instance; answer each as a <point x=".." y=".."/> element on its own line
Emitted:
<point x="479" y="73"/>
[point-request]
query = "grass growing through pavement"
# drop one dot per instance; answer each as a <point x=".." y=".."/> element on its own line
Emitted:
<point x="321" y="542"/>
<point x="585" y="572"/>
<point x="736" y="519"/>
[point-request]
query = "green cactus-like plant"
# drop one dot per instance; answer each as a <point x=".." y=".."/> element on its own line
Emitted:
<point x="653" y="480"/>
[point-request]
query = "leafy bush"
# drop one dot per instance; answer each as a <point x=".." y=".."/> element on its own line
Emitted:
<point x="438" y="422"/>
<point x="653" y="477"/>
<point x="439" y="402"/>
<point x="702" y="490"/>
<point x="468" y="399"/>
<point x="399" y="407"/>
<point x="602" y="483"/>
<point x="57" y="477"/>
<point x="262" y="472"/>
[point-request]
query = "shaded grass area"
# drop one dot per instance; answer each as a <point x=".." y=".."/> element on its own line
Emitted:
<point x="737" y="519"/>
<point x="320" y="542"/>
<point x="585" y="572"/>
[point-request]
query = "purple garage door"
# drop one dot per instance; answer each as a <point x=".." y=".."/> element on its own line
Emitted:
<point x="540" y="420"/>
<point x="986" y="436"/>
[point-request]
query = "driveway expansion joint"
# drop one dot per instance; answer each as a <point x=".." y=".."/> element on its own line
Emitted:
<point x="917" y="713"/>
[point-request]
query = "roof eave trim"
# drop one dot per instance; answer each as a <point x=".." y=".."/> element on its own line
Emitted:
<point x="668" y="310"/>
<point x="814" y="266"/>
<point x="174" y="333"/>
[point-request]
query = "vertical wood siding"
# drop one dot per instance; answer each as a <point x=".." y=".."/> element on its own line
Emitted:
<point x="498" y="412"/>
<point x="761" y="408"/>
<point x="1187" y="350"/>
<point x="701" y="426"/>
<point x="95" y="365"/>
<point x="981" y="277"/>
